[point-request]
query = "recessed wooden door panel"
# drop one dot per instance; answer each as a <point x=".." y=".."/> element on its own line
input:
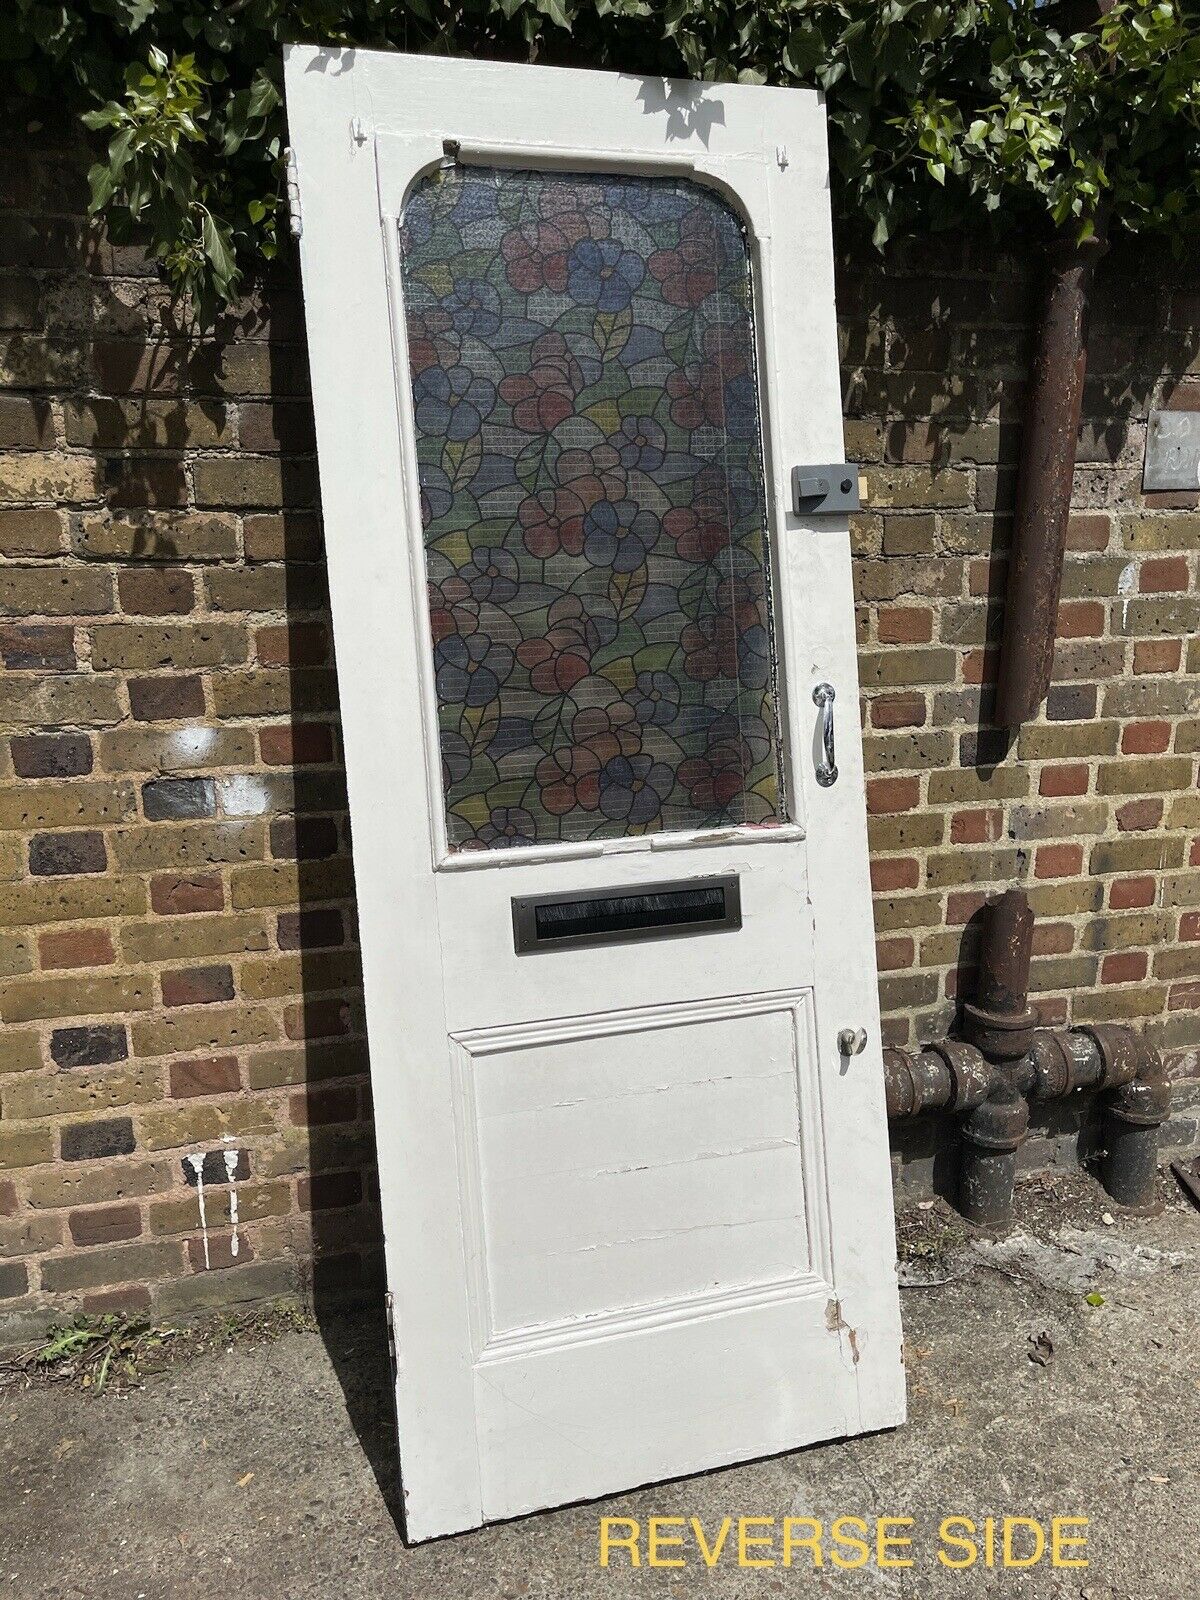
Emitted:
<point x="569" y="333"/>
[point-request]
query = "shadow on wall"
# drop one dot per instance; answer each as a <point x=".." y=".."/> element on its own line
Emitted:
<point x="338" y="1190"/>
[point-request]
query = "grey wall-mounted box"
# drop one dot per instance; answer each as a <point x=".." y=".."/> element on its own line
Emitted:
<point x="1172" y="451"/>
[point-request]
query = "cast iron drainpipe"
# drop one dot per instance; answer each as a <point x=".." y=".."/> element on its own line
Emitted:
<point x="1045" y="475"/>
<point x="1010" y="1061"/>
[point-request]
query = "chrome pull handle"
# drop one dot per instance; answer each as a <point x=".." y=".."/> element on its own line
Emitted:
<point x="823" y="696"/>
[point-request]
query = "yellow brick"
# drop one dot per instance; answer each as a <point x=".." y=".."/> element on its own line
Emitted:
<point x="169" y="1127"/>
<point x="187" y="846"/>
<point x="74" y="900"/>
<point x="25" y="1147"/>
<point x="179" y="938"/>
<point x="66" y="805"/>
<point x="76" y="996"/>
<point x="279" y="883"/>
<point x="312" y="973"/>
<point x="196" y="1028"/>
<point x="63" y="1094"/>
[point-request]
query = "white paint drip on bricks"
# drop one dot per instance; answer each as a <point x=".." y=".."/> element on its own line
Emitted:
<point x="231" y="1161"/>
<point x="1126" y="584"/>
<point x="196" y="1162"/>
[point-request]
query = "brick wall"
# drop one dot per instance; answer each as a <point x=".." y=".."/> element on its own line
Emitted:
<point x="178" y="966"/>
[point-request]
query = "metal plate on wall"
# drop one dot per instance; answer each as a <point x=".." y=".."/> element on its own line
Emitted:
<point x="1172" y="451"/>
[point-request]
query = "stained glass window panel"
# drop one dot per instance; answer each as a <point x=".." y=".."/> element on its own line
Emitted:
<point x="588" y="442"/>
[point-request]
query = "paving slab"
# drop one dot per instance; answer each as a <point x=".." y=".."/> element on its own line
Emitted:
<point x="265" y="1469"/>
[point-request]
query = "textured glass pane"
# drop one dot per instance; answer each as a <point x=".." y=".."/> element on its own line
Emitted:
<point x="588" y="441"/>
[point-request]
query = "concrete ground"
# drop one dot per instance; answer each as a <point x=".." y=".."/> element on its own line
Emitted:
<point x="263" y="1468"/>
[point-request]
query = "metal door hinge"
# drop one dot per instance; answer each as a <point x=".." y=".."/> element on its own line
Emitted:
<point x="825" y="491"/>
<point x="389" y="1306"/>
<point x="295" y="220"/>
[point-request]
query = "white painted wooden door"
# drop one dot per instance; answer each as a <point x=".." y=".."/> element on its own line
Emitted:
<point x="570" y="332"/>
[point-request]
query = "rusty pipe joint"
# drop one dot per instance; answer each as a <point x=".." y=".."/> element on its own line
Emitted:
<point x="992" y="1134"/>
<point x="947" y="1075"/>
<point x="1134" y="1110"/>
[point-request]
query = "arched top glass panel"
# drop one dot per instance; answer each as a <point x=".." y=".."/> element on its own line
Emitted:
<point x="589" y="448"/>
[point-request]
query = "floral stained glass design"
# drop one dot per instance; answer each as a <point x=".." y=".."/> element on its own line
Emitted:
<point x="588" y="443"/>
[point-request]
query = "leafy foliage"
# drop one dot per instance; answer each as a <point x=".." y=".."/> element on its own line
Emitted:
<point x="92" y="1350"/>
<point x="940" y="110"/>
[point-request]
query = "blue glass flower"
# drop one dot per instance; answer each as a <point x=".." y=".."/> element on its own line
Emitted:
<point x="506" y="827"/>
<point x="741" y="410"/>
<point x="641" y="444"/>
<point x="649" y="199"/>
<point x="655" y="699"/>
<point x="618" y="534"/>
<point x="436" y="495"/>
<point x="602" y="273"/>
<point x="452" y="403"/>
<point x="492" y="574"/>
<point x="754" y="656"/>
<point x="476" y="200"/>
<point x="470" y="670"/>
<point x="473" y="306"/>
<point x="633" y="788"/>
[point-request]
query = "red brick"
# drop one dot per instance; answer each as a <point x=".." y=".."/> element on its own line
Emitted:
<point x="156" y="592"/>
<point x="197" y="986"/>
<point x="1184" y="997"/>
<point x="301" y="644"/>
<point x="1171" y="500"/>
<point x="980" y="576"/>
<point x="898" y="711"/>
<point x="1052" y="1010"/>
<point x="888" y="795"/>
<point x="892" y="955"/>
<point x="1157" y="655"/>
<point x="219" y="1254"/>
<point x="316" y="1107"/>
<point x="1053" y="938"/>
<point x="166" y="699"/>
<point x="76" y="947"/>
<point x="980" y="666"/>
<point x="1189" y="926"/>
<point x="1164" y="575"/>
<point x="1068" y="779"/>
<point x="326" y="1190"/>
<point x="304" y="838"/>
<point x="983" y="825"/>
<point x="300" y="744"/>
<point x="1135" y="816"/>
<point x="105" y="1224"/>
<point x="1145" y="738"/>
<point x="116" y="1302"/>
<point x="1080" y="619"/>
<point x="1088" y="531"/>
<point x="206" y="1075"/>
<point x="901" y="872"/>
<point x="8" y="1198"/>
<point x="1125" y="966"/>
<point x="172" y="895"/>
<point x="1059" y="861"/>
<point x="37" y="647"/>
<point x="317" y="1019"/>
<point x="1131" y="894"/>
<point x="51" y="755"/>
<point x="309" y="930"/>
<point x="962" y="905"/>
<point x="1194" y="854"/>
<point x="905" y="625"/>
